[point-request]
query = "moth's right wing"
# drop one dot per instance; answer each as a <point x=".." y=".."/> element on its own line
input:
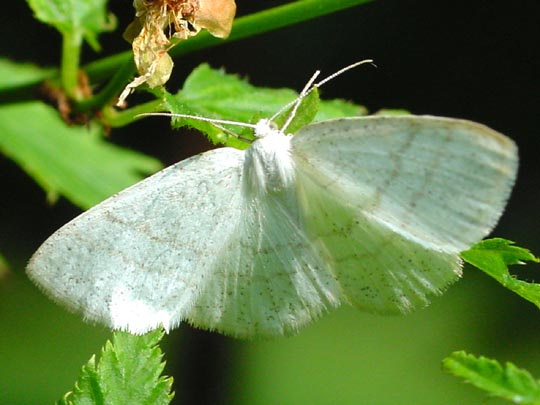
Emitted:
<point x="393" y="200"/>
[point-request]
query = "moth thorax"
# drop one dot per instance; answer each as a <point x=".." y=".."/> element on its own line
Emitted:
<point x="265" y="127"/>
<point x="269" y="167"/>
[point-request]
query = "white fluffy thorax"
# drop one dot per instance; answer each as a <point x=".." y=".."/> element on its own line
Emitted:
<point x="268" y="165"/>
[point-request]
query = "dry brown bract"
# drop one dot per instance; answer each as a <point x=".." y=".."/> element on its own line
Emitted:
<point x="161" y="24"/>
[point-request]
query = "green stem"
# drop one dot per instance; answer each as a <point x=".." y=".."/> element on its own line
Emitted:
<point x="69" y="69"/>
<point x="27" y="90"/>
<point x="115" y="118"/>
<point x="111" y="90"/>
<point x="268" y="20"/>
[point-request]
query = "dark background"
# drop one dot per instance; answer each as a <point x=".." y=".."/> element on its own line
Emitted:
<point x="468" y="59"/>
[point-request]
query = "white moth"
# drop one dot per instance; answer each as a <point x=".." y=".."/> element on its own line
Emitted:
<point x="371" y="211"/>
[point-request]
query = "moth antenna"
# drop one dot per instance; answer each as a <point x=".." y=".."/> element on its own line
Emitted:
<point x="310" y="86"/>
<point x="198" y="118"/>
<point x="290" y="103"/>
<point x="296" y="103"/>
<point x="215" y="122"/>
<point x="341" y="71"/>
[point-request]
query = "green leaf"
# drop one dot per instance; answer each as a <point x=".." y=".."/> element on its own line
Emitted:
<point x="509" y="382"/>
<point x="13" y="75"/>
<point x="215" y="94"/>
<point x="338" y="108"/>
<point x="75" y="162"/>
<point x="76" y="18"/>
<point x="129" y="372"/>
<point x="493" y="256"/>
<point x="305" y="113"/>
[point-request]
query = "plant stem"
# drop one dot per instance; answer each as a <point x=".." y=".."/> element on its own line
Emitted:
<point x="111" y="90"/>
<point x="115" y="118"/>
<point x="69" y="69"/>
<point x="267" y="20"/>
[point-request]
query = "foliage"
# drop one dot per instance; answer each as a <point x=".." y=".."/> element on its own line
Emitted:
<point x="128" y="372"/>
<point x="45" y="148"/>
<point x="215" y="94"/>
<point x="77" y="18"/>
<point x="493" y="256"/>
<point x="509" y="382"/>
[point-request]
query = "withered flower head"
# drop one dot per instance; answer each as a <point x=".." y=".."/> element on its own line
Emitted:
<point x="161" y="24"/>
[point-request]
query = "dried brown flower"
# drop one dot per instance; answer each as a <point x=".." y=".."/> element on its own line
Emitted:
<point x="161" y="24"/>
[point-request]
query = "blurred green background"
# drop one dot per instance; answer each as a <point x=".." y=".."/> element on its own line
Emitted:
<point x="477" y="60"/>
